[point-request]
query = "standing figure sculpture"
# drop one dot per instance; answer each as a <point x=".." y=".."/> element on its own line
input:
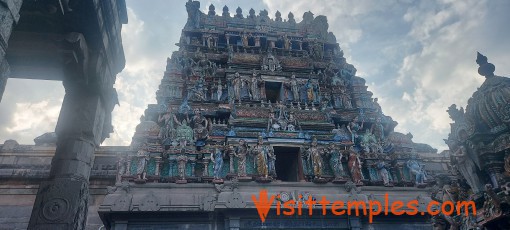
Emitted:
<point x="416" y="169"/>
<point x="271" y="160"/>
<point x="346" y="98"/>
<point x="254" y="86"/>
<point x="468" y="168"/>
<point x="294" y="87"/>
<point x="378" y="130"/>
<point x="237" y="84"/>
<point x="354" y="128"/>
<point x="182" y="160"/>
<point x="261" y="154"/>
<point x="167" y="121"/>
<point x="241" y="153"/>
<point x="335" y="162"/>
<point x="218" y="165"/>
<point x="383" y="172"/>
<point x="142" y="159"/>
<point x="315" y="157"/>
<point x="309" y="91"/>
<point x="200" y="125"/>
<point x="219" y="91"/>
<point x="354" y="165"/>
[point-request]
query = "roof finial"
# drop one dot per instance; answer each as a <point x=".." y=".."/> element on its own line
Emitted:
<point x="239" y="12"/>
<point x="486" y="69"/>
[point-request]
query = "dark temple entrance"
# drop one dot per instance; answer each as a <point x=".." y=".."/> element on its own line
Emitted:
<point x="287" y="164"/>
<point x="273" y="91"/>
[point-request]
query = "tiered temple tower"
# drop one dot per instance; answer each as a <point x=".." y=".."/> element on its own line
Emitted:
<point x="250" y="102"/>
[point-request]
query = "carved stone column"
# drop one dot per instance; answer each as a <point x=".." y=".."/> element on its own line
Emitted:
<point x="9" y="13"/>
<point x="62" y="201"/>
<point x="158" y="163"/>
<point x="205" y="173"/>
<point x="231" y="161"/>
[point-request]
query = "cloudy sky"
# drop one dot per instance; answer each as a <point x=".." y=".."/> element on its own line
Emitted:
<point x="418" y="58"/>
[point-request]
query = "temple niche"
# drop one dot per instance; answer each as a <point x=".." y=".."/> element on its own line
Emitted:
<point x="249" y="101"/>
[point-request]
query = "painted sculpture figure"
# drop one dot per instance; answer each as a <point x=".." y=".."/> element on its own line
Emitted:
<point x="218" y="163"/>
<point x="335" y="162"/>
<point x="261" y="157"/>
<point x="315" y="157"/>
<point x="199" y="125"/>
<point x="354" y="165"/>
<point x="416" y="169"/>
<point x="354" y="128"/>
<point x="241" y="153"/>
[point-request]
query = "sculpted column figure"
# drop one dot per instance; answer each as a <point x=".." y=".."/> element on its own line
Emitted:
<point x="241" y="153"/>
<point x="315" y="156"/>
<point x="261" y="157"/>
<point x="417" y="170"/>
<point x="294" y="87"/>
<point x="237" y="84"/>
<point x="468" y="169"/>
<point x="218" y="165"/>
<point x="182" y="160"/>
<point x="383" y="172"/>
<point x="254" y="86"/>
<point x="354" y="128"/>
<point x="355" y="168"/>
<point x="335" y="162"/>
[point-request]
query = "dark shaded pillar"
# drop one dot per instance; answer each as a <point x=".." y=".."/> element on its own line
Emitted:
<point x="9" y="16"/>
<point x="62" y="201"/>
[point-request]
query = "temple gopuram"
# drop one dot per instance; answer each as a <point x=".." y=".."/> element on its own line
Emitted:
<point x="251" y="103"/>
<point x="479" y="143"/>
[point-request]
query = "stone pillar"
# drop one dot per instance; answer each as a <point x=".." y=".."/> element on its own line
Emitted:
<point x="231" y="161"/>
<point x="62" y="201"/>
<point x="158" y="163"/>
<point x="9" y="13"/>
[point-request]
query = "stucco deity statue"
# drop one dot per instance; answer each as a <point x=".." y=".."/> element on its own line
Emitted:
<point x="237" y="84"/>
<point x="244" y="38"/>
<point x="218" y="163"/>
<point x="219" y="90"/>
<point x="376" y="106"/>
<point x="294" y="87"/>
<point x="199" y="125"/>
<point x="167" y="123"/>
<point x="467" y="168"/>
<point x="335" y="162"/>
<point x="184" y="133"/>
<point x="345" y="98"/>
<point x="261" y="153"/>
<point x="309" y="91"/>
<point x="182" y="159"/>
<point x="262" y="89"/>
<point x="254" y="86"/>
<point x="315" y="156"/>
<point x="383" y="172"/>
<point x="378" y="130"/>
<point x="354" y="165"/>
<point x="272" y="123"/>
<point x="123" y="167"/>
<point x="416" y="169"/>
<point x="354" y="128"/>
<point x="142" y="159"/>
<point x="271" y="159"/>
<point x="286" y="42"/>
<point x="292" y="123"/>
<point x="241" y="153"/>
